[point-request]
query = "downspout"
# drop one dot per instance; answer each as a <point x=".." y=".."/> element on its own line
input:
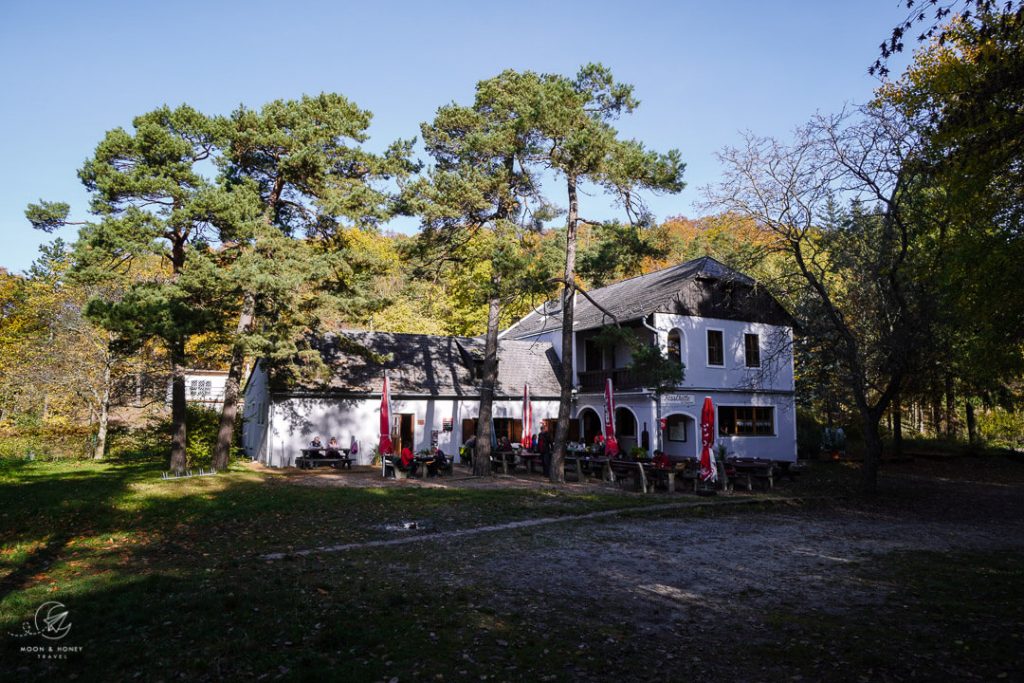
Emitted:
<point x="657" y="396"/>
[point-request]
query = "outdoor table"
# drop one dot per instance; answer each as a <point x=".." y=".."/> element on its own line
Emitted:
<point x="529" y="459"/>
<point x="591" y="462"/>
<point x="646" y="473"/>
<point x="749" y="469"/>
<point x="506" y="458"/>
<point x="312" y="457"/>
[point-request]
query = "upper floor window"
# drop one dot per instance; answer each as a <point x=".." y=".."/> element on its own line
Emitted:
<point x="675" y="346"/>
<point x="752" y="347"/>
<point x="593" y="355"/>
<point x="716" y="348"/>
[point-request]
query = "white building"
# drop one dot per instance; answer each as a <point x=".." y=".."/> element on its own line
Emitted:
<point x="205" y="387"/>
<point x="732" y="338"/>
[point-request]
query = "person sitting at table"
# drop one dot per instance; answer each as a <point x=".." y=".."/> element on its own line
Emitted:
<point x="332" y="449"/>
<point x="598" y="448"/>
<point x="353" y="447"/>
<point x="316" y="443"/>
<point x="408" y="460"/>
<point x="437" y="464"/>
<point x="661" y="460"/>
<point x="504" y="444"/>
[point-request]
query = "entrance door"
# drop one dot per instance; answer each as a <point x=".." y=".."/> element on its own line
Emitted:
<point x="406" y="435"/>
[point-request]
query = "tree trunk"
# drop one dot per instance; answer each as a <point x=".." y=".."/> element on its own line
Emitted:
<point x="178" y="412"/>
<point x="951" y="420"/>
<point x="482" y="456"/>
<point x="101" y="432"/>
<point x="566" y="378"/>
<point x="229" y="411"/>
<point x="872" y="451"/>
<point x="897" y="427"/>
<point x="972" y="425"/>
<point x="936" y="413"/>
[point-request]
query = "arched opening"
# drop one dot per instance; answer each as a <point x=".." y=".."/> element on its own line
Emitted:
<point x="590" y="425"/>
<point x="675" y="346"/>
<point x="625" y="428"/>
<point x="680" y="436"/>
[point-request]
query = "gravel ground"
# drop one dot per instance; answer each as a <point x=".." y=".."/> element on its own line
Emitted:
<point x="676" y="595"/>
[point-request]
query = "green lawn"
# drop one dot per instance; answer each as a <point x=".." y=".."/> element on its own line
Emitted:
<point x="163" y="581"/>
<point x="173" y="567"/>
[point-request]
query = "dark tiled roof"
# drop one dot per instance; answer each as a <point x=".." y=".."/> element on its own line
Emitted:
<point x="702" y="287"/>
<point x="422" y="364"/>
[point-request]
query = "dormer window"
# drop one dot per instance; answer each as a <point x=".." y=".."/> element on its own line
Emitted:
<point x="675" y="346"/>
<point x="716" y="348"/>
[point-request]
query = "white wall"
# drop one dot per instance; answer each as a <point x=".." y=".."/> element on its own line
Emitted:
<point x="295" y="421"/>
<point x="781" y="446"/>
<point x="203" y="387"/>
<point x="775" y="373"/>
<point x="255" y="414"/>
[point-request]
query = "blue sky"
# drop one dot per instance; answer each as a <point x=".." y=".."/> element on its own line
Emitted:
<point x="703" y="71"/>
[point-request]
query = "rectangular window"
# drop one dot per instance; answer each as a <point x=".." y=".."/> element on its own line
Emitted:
<point x="752" y="346"/>
<point x="746" y="420"/>
<point x="594" y="355"/>
<point x="716" y="348"/>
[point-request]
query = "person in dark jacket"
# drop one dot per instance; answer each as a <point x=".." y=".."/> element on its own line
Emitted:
<point x="544" y="448"/>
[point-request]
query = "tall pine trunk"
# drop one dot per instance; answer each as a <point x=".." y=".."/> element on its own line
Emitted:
<point x="482" y="456"/>
<point x="179" y="456"/>
<point x="101" y="432"/>
<point x="566" y="378"/>
<point x="229" y="411"/>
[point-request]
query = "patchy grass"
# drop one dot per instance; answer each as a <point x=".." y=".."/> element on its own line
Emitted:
<point x="163" y="575"/>
<point x="954" y="616"/>
<point x="163" y="582"/>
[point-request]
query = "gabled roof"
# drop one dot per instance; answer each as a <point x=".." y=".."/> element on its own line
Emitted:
<point x="429" y="365"/>
<point x="703" y="287"/>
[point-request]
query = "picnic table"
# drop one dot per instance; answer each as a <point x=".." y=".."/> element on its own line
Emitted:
<point x="529" y="459"/>
<point x="315" y="457"/>
<point x="505" y="459"/>
<point x="749" y="469"/>
<point x="420" y="465"/>
<point x="588" y="464"/>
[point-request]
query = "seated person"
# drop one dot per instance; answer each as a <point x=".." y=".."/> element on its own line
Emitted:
<point x="407" y="461"/>
<point x="661" y="461"/>
<point x="504" y="444"/>
<point x="437" y="464"/>
<point x="332" y="449"/>
<point x="316" y="443"/>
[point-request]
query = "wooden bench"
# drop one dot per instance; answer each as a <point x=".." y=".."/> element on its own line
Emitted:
<point x="390" y="466"/>
<point x="748" y="471"/>
<point x="306" y="462"/>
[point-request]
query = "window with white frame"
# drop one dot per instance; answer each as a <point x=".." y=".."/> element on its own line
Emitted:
<point x="716" y="348"/>
<point x="752" y="350"/>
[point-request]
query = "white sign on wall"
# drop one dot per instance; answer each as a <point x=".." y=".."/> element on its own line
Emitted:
<point x="678" y="399"/>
